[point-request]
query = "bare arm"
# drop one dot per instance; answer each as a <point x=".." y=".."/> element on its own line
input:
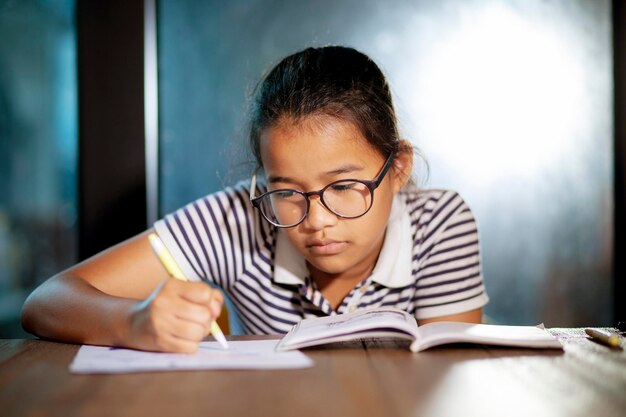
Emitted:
<point x="122" y="297"/>
<point x="473" y="316"/>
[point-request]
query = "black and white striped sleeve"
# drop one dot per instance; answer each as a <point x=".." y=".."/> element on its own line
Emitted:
<point x="208" y="237"/>
<point x="447" y="264"/>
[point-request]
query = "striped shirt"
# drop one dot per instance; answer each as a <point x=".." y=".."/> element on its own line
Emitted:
<point x="429" y="264"/>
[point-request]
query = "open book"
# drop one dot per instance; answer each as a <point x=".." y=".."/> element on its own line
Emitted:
<point x="394" y="323"/>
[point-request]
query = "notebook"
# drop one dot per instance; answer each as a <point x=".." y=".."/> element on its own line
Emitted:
<point x="393" y="323"/>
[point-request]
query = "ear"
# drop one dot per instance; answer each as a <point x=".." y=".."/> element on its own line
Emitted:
<point x="402" y="166"/>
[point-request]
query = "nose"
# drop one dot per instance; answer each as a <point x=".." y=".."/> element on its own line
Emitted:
<point x="319" y="217"/>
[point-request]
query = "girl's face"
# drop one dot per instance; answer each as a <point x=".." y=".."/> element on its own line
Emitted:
<point x="312" y="153"/>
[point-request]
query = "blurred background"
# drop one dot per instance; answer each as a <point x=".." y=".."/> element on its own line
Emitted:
<point x="38" y="148"/>
<point x="130" y="109"/>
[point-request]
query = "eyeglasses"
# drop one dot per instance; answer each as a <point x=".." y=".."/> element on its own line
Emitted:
<point x="348" y="199"/>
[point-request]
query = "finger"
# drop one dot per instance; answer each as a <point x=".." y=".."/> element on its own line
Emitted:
<point x="172" y="343"/>
<point x="182" y="329"/>
<point x="168" y="307"/>
<point x="197" y="313"/>
<point x="201" y="293"/>
<point x="186" y="330"/>
<point x="162" y="335"/>
<point x="216" y="302"/>
<point x="196" y="292"/>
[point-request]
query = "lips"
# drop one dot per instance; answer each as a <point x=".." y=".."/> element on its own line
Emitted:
<point x="326" y="247"/>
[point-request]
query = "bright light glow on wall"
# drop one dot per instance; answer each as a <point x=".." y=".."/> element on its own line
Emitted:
<point x="504" y="95"/>
<point x="509" y="100"/>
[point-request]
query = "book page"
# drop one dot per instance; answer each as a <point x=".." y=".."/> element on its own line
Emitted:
<point x="438" y="333"/>
<point x="378" y="322"/>
<point x="252" y="354"/>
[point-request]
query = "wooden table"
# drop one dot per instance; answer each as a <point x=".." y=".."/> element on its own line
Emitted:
<point x="586" y="379"/>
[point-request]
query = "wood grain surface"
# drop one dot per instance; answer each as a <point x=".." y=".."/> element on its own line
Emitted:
<point x="372" y="378"/>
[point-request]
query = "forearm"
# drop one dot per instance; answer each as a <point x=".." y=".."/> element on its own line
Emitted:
<point x="70" y="309"/>
<point x="473" y="316"/>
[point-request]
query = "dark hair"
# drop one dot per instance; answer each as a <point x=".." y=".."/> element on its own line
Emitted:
<point x="331" y="81"/>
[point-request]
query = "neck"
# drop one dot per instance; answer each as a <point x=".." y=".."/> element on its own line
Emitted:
<point x="336" y="286"/>
<point x="326" y="280"/>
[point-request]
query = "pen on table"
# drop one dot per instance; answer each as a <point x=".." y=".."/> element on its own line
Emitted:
<point x="603" y="336"/>
<point x="172" y="268"/>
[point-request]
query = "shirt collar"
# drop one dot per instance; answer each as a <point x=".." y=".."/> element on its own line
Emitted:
<point x="393" y="268"/>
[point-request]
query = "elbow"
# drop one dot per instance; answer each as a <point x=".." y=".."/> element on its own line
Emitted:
<point x="29" y="312"/>
<point x="37" y="315"/>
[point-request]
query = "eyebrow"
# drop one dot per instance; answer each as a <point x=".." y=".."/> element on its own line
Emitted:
<point x="338" y="171"/>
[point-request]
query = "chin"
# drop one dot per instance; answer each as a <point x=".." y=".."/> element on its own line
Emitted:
<point x="329" y="265"/>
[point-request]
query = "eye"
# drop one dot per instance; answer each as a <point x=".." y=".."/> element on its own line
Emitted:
<point x="343" y="186"/>
<point x="285" y="194"/>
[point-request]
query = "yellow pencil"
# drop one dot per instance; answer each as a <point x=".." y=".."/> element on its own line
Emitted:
<point x="603" y="336"/>
<point x="172" y="268"/>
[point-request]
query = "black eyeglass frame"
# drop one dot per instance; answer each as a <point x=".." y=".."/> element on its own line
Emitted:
<point x="370" y="184"/>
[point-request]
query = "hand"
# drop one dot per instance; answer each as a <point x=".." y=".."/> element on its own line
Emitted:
<point x="175" y="317"/>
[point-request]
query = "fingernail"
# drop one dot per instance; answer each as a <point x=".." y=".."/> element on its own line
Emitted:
<point x="216" y="307"/>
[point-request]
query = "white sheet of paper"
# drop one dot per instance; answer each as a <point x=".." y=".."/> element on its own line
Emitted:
<point x="250" y="354"/>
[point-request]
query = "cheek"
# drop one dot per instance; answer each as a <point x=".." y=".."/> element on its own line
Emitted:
<point x="369" y="229"/>
<point x="375" y="221"/>
<point x="383" y="199"/>
<point x="295" y="237"/>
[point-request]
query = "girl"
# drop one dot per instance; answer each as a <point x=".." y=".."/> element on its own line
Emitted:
<point x="335" y="226"/>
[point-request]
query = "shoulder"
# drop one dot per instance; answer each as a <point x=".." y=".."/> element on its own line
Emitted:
<point x="217" y="235"/>
<point x="237" y="194"/>
<point x="426" y="205"/>
<point x="231" y="204"/>
<point x="437" y="216"/>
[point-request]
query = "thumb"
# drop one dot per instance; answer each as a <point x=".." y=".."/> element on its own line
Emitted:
<point x="202" y="293"/>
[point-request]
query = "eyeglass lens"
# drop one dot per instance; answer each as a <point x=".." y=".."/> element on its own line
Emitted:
<point x="344" y="198"/>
